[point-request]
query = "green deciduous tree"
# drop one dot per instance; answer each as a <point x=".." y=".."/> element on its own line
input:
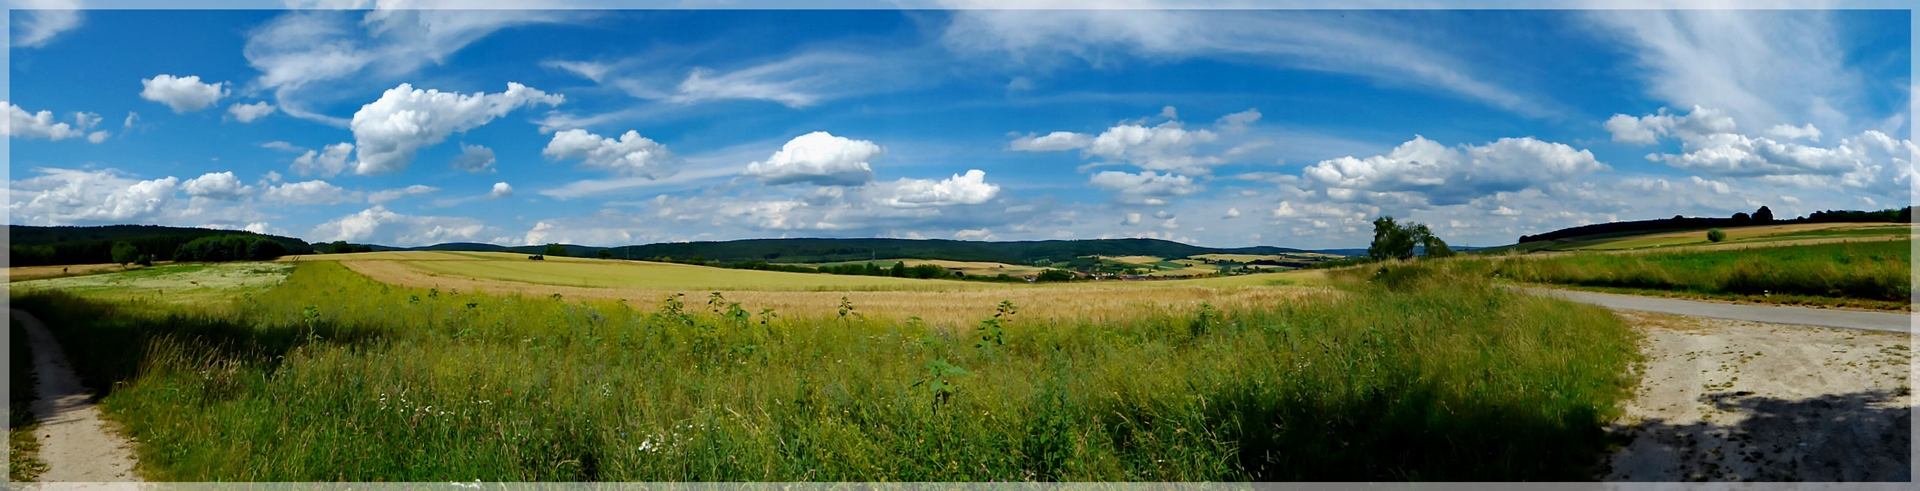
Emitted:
<point x="556" y="250"/>
<point x="1393" y="240"/>
<point x="1390" y="240"/>
<point x="1715" y="235"/>
<point x="124" y="253"/>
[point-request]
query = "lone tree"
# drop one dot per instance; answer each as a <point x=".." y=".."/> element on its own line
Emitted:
<point x="1715" y="235"/>
<point x="124" y="253"/>
<point x="1392" y="240"/>
<point x="1764" y="215"/>
<point x="556" y="250"/>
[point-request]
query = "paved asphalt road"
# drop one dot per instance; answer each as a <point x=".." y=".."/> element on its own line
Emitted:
<point x="1844" y="319"/>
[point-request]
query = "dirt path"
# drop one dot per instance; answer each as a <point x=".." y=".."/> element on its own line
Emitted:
<point x="1900" y="322"/>
<point x="74" y="442"/>
<point x="1727" y="400"/>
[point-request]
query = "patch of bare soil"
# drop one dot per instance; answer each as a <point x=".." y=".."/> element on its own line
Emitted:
<point x="1723" y="400"/>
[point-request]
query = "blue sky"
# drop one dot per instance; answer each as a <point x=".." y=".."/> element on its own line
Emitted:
<point x="1219" y="128"/>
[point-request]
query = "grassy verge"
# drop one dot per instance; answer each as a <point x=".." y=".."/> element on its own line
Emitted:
<point x="1858" y="274"/>
<point x="1429" y="375"/>
<point x="23" y="456"/>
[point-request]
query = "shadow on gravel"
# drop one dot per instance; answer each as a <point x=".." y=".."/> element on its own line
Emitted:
<point x="1863" y="436"/>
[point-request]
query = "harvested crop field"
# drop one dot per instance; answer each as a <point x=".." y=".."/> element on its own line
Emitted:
<point x="25" y="273"/>
<point x="1106" y="301"/>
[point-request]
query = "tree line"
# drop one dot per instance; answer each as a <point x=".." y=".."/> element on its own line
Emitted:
<point x="127" y="250"/>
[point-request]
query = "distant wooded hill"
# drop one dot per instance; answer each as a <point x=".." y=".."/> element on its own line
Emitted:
<point x="48" y="246"/>
<point x="1677" y="223"/>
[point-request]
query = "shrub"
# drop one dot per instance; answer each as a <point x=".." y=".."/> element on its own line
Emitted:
<point x="1715" y="235"/>
<point x="1054" y="275"/>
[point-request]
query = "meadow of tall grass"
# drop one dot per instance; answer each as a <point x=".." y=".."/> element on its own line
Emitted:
<point x="1414" y="372"/>
<point x="1877" y="272"/>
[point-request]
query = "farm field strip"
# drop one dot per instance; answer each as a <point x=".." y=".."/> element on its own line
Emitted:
<point x="1099" y="301"/>
<point x="1801" y="234"/>
<point x="641" y="274"/>
<point x="171" y="283"/>
<point x="24" y="273"/>
<point x="969" y="267"/>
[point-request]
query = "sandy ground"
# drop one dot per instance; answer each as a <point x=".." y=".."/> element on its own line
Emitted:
<point x="1723" y="400"/>
<point x="75" y="443"/>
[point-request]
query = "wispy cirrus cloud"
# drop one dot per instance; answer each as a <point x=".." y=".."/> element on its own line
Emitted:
<point x="1762" y="68"/>
<point x="1353" y="43"/>
<point x="314" y="57"/>
<point x="38" y="22"/>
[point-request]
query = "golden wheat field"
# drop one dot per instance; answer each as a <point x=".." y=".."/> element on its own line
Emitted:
<point x="645" y="285"/>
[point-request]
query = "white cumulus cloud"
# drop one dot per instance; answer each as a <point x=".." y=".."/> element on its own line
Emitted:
<point x="389" y="132"/>
<point x="23" y="124"/>
<point x="82" y="197"/>
<point x="183" y="94"/>
<point x="500" y="190"/>
<point x="221" y="186"/>
<point x="382" y="226"/>
<point x="1711" y="143"/>
<point x="819" y="158"/>
<point x="248" y="113"/>
<point x="968" y="189"/>
<point x="326" y="162"/>
<point x="1427" y="171"/>
<point x="631" y="155"/>
<point x="315" y="192"/>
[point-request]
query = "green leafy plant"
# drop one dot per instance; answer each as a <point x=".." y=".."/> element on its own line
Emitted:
<point x="1204" y="320"/>
<point x="1715" y="235"/>
<point x="939" y="380"/>
<point x="993" y="331"/>
<point x="846" y="308"/>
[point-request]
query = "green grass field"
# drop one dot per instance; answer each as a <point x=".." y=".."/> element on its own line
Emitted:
<point x="331" y="376"/>
<point x="1872" y="274"/>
